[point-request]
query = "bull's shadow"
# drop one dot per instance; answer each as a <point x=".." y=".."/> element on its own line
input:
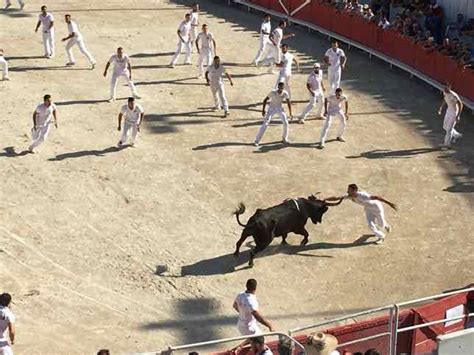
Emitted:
<point x="226" y="264"/>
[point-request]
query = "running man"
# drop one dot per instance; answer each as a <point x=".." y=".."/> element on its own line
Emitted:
<point x="7" y="325"/>
<point x="316" y="90"/>
<point x="74" y="38"/>
<point x="184" y="40"/>
<point x="336" y="60"/>
<point x="46" y="19"/>
<point x="44" y="114"/>
<point x="214" y="78"/>
<point x="373" y="207"/>
<point x="274" y="55"/>
<point x="3" y="66"/>
<point x="207" y="50"/>
<point x="122" y="67"/>
<point x="194" y="23"/>
<point x="333" y="107"/>
<point x="134" y="114"/>
<point x="452" y="116"/>
<point x="8" y="3"/>
<point x="276" y="97"/>
<point x="265" y="30"/>
<point x="287" y="60"/>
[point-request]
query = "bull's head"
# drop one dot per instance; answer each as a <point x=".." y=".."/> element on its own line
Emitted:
<point x="317" y="208"/>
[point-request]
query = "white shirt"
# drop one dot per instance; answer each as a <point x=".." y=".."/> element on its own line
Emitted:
<point x="72" y="27"/>
<point x="266" y="27"/>
<point x="384" y="24"/>
<point x="277" y="36"/>
<point x="334" y="57"/>
<point x="451" y="98"/>
<point x="287" y="61"/>
<point x="194" y="18"/>
<point x="46" y="20"/>
<point x="363" y="199"/>
<point x="132" y="116"/>
<point x="215" y="74"/>
<point x="205" y="40"/>
<point x="335" y="104"/>
<point x="6" y="317"/>
<point x="314" y="81"/>
<point x="246" y="303"/>
<point x="44" y="114"/>
<point x="184" y="29"/>
<point x="120" y="64"/>
<point x="276" y="99"/>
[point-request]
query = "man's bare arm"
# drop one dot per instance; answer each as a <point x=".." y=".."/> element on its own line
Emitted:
<point x="12" y="332"/>
<point x="235" y="307"/>
<point x="106" y="68"/>
<point x="55" y="115"/>
<point x="381" y="199"/>
<point x="37" y="26"/>
<point x="119" y="127"/>
<point x="262" y="320"/>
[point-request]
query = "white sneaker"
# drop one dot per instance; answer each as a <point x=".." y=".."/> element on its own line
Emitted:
<point x="380" y="240"/>
<point x="301" y="120"/>
<point x="256" y="145"/>
<point x="226" y="113"/>
<point x="6" y="78"/>
<point x="93" y="65"/>
<point x="112" y="99"/>
<point x="119" y="144"/>
<point x="31" y="150"/>
<point x="217" y="108"/>
<point x="285" y="141"/>
<point x="171" y="65"/>
<point x="7" y="6"/>
<point x="341" y="139"/>
<point x="137" y="97"/>
<point x="320" y="146"/>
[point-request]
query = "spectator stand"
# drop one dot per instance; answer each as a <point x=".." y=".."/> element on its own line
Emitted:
<point x="279" y="9"/>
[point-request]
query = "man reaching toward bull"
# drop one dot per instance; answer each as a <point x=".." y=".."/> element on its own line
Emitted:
<point x="373" y="207"/>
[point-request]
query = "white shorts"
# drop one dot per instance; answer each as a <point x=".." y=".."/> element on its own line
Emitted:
<point x="5" y="348"/>
<point x="249" y="330"/>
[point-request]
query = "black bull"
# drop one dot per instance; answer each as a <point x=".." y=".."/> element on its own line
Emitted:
<point x="277" y="221"/>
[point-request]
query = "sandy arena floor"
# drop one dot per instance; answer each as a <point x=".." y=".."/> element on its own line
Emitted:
<point x="83" y="227"/>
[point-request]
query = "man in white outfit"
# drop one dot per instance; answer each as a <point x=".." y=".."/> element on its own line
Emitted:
<point x="8" y="3"/>
<point x="214" y="78"/>
<point x="3" y="66"/>
<point x="206" y="48"/>
<point x="133" y="117"/>
<point x="265" y="30"/>
<point x="7" y="325"/>
<point x="316" y="89"/>
<point x="44" y="114"/>
<point x="274" y="53"/>
<point x="336" y="60"/>
<point x="373" y="207"/>
<point x="286" y="63"/>
<point x="184" y="41"/>
<point x="122" y="68"/>
<point x="74" y="38"/>
<point x="46" y="20"/>
<point x="452" y="116"/>
<point x="194" y="23"/>
<point x="276" y="98"/>
<point x="333" y="107"/>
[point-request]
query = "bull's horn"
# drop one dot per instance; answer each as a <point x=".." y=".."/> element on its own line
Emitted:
<point x="330" y="204"/>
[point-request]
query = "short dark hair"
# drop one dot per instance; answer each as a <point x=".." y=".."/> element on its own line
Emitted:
<point x="334" y="41"/>
<point x="217" y="57"/>
<point x="43" y="7"/>
<point x="5" y="299"/>
<point x="204" y="24"/>
<point x="258" y="340"/>
<point x="266" y="15"/>
<point x="284" y="45"/>
<point x="67" y="15"/>
<point x="281" y="83"/>
<point x="193" y="353"/>
<point x="46" y="97"/>
<point x="251" y="285"/>
<point x="282" y="22"/>
<point x="103" y="352"/>
<point x="372" y="352"/>
<point x="338" y="90"/>
<point x="120" y="48"/>
<point x="353" y="186"/>
<point x="187" y="15"/>
<point x="131" y="99"/>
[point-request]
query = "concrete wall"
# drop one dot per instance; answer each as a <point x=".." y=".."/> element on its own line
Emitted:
<point x="453" y="7"/>
<point x="458" y="343"/>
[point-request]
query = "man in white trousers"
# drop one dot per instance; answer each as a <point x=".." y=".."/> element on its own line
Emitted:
<point x="44" y="115"/>
<point x="214" y="78"/>
<point x="122" y="68"/>
<point x="75" y="37"/>
<point x="274" y="53"/>
<point x="8" y="3"/>
<point x="7" y="325"/>
<point x="3" y="66"/>
<point x="133" y="114"/>
<point x="373" y="207"/>
<point x="287" y="60"/>
<point x="276" y="98"/>
<point x="194" y="23"/>
<point x="316" y="89"/>
<point x="46" y="20"/>
<point x="452" y="116"/>
<point x="206" y="48"/>
<point x="336" y="60"/>
<point x="184" y="41"/>
<point x="333" y="107"/>
<point x="265" y="30"/>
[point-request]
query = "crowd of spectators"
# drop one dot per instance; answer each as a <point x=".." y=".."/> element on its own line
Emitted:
<point x="422" y="20"/>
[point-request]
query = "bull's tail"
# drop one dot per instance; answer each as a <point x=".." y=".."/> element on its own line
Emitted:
<point x="240" y="210"/>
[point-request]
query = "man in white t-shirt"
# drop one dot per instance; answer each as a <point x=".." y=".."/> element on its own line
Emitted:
<point x="44" y="115"/>
<point x="133" y="114"/>
<point x="336" y="105"/>
<point x="316" y="89"/>
<point x="7" y="325"/>
<point x="373" y="208"/>
<point x="122" y="68"/>
<point x="276" y="37"/>
<point x="265" y="30"/>
<point x="214" y="78"/>
<point x="184" y="41"/>
<point x="46" y="20"/>
<point x="286" y="63"/>
<point x="276" y="98"/>
<point x="75" y="37"/>
<point x="452" y="116"/>
<point x="194" y="23"/>
<point x="206" y="48"/>
<point x="3" y="66"/>
<point x="8" y="3"/>
<point x="336" y="60"/>
<point x="247" y="306"/>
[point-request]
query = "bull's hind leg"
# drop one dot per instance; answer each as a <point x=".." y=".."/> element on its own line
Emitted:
<point x="304" y="233"/>
<point x="245" y="234"/>
<point x="256" y="250"/>
<point x="283" y="240"/>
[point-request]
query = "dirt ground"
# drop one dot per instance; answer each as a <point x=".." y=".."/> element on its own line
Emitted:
<point x="84" y="228"/>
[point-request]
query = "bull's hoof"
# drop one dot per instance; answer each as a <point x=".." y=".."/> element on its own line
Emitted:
<point x="284" y="242"/>
<point x="304" y="242"/>
<point x="251" y="264"/>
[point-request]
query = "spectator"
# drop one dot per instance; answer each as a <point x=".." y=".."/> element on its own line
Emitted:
<point x="383" y="23"/>
<point x="7" y="325"/>
<point x="454" y="29"/>
<point x="469" y="309"/>
<point x="429" y="45"/>
<point x="259" y="347"/>
<point x="103" y="352"/>
<point x="372" y="352"/>
<point x="445" y="48"/>
<point x="321" y="344"/>
<point x="368" y="14"/>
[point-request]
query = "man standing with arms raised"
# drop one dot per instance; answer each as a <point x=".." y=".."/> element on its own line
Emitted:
<point x="74" y="38"/>
<point x="122" y="67"/>
<point x="336" y="60"/>
<point x="46" y="20"/>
